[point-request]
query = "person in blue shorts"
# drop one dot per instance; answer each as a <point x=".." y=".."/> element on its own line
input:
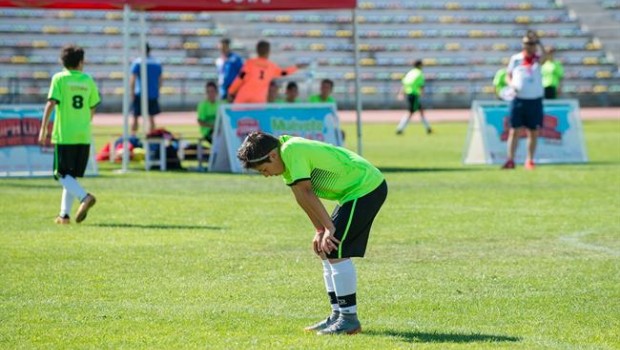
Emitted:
<point x="154" y="81"/>
<point x="526" y="110"/>
<point x="315" y="170"/>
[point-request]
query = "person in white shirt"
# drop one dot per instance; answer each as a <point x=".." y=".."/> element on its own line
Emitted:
<point x="526" y="110"/>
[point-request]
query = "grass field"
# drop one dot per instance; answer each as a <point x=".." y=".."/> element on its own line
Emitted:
<point x="459" y="258"/>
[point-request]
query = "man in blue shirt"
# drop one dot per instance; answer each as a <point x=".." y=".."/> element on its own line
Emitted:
<point x="153" y="73"/>
<point x="228" y="67"/>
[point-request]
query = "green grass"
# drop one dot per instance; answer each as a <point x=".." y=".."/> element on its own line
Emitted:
<point x="459" y="258"/>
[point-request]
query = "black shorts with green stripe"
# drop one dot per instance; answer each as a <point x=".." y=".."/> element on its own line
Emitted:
<point x="353" y="221"/>
<point x="70" y="160"/>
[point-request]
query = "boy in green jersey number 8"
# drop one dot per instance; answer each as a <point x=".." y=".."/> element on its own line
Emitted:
<point x="74" y="97"/>
<point x="316" y="170"/>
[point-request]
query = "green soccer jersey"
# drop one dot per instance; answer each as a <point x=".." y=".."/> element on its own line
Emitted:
<point x="75" y="94"/>
<point x="552" y="73"/>
<point x="335" y="172"/>
<point x="207" y="111"/>
<point x="413" y="82"/>
<point x="317" y="99"/>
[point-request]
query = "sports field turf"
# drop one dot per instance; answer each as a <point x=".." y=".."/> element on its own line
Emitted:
<point x="459" y="258"/>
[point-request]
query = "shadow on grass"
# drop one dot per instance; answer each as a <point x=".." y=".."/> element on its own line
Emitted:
<point x="427" y="170"/>
<point x="426" y="337"/>
<point x="160" y="226"/>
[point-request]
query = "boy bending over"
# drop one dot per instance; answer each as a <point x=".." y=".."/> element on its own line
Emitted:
<point x="316" y="170"/>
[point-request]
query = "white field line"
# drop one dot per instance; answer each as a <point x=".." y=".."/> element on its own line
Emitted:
<point x="575" y="240"/>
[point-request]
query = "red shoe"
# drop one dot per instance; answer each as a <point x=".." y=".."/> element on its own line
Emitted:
<point x="529" y="165"/>
<point x="510" y="164"/>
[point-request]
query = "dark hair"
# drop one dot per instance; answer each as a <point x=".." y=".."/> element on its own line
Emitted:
<point x="211" y="84"/>
<point x="291" y="85"/>
<point x="71" y="56"/>
<point x="225" y="41"/>
<point x="255" y="149"/>
<point x="328" y="81"/>
<point x="262" y="48"/>
<point x="148" y="49"/>
<point x="417" y="63"/>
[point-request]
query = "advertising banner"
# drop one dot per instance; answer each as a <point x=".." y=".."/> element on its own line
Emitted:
<point x="316" y="121"/>
<point x="560" y="140"/>
<point x="20" y="153"/>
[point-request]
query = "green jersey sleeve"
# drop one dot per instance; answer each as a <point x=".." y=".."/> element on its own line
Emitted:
<point x="298" y="168"/>
<point x="55" y="92"/>
<point x="94" y="97"/>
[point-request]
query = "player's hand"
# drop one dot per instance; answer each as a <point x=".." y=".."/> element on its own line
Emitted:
<point x="400" y="96"/>
<point x="316" y="243"/>
<point x="329" y="242"/>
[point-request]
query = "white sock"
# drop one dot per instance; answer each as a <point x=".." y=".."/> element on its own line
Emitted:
<point x="403" y="123"/>
<point x="426" y="124"/>
<point x="66" y="203"/>
<point x="71" y="185"/>
<point x="345" y="284"/>
<point x="329" y="285"/>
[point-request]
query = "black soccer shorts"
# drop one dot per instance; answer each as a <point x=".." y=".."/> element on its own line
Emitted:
<point x="353" y="221"/>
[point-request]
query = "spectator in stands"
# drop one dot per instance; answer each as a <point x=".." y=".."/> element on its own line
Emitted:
<point x="325" y="94"/>
<point x="228" y="66"/>
<point x="314" y="170"/>
<point x="207" y="111"/>
<point x="499" y="81"/>
<point x="413" y="86"/>
<point x="252" y="84"/>
<point x="74" y="96"/>
<point x="154" y="81"/>
<point x="552" y="74"/>
<point x="291" y="93"/>
<point x="274" y="91"/>
<point x="526" y="110"/>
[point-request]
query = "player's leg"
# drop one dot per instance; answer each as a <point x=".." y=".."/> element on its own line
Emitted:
<point x="65" y="207"/>
<point x="154" y="110"/>
<point x="80" y="162"/>
<point x="533" y="122"/>
<point x="405" y="119"/>
<point x="426" y="124"/>
<point x="532" y="140"/>
<point x="136" y="114"/>
<point x="331" y="294"/>
<point x="331" y="291"/>
<point x="63" y="168"/>
<point x="516" y="123"/>
<point x="353" y="222"/>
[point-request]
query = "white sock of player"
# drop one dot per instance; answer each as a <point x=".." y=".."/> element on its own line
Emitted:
<point x="329" y="285"/>
<point x="71" y="185"/>
<point x="403" y="123"/>
<point x="66" y="203"/>
<point x="427" y="126"/>
<point x="345" y="284"/>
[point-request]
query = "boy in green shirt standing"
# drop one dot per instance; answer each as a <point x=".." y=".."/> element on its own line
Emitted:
<point x="413" y="85"/>
<point x="325" y="95"/>
<point x="74" y="97"/>
<point x="552" y="74"/>
<point x="207" y="112"/>
<point x="316" y="170"/>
